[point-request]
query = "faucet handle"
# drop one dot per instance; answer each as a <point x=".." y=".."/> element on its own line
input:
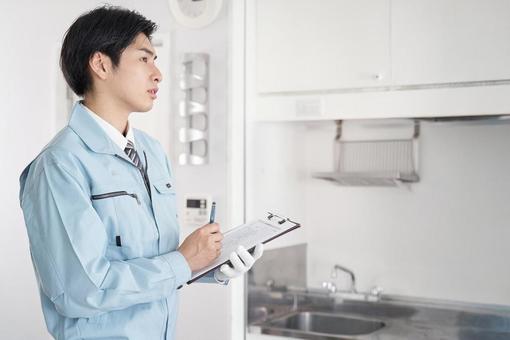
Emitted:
<point x="270" y="283"/>
<point x="330" y="286"/>
<point x="376" y="291"/>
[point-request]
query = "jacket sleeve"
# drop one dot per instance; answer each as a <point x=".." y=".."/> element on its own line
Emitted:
<point x="68" y="242"/>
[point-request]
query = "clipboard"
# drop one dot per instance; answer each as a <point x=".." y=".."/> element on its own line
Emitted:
<point x="248" y="235"/>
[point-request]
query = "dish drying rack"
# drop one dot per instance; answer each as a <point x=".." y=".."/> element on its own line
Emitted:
<point x="382" y="162"/>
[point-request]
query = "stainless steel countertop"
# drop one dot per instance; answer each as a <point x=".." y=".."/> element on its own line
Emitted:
<point x="404" y="318"/>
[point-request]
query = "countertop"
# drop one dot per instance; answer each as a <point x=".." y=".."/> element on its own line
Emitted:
<point x="404" y="319"/>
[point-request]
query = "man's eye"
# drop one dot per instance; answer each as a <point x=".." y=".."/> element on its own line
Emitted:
<point x="145" y="59"/>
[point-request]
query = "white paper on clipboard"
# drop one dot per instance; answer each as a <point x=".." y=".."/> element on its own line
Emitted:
<point x="248" y="235"/>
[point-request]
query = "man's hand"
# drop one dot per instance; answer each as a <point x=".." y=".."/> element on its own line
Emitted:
<point x="202" y="246"/>
<point x="241" y="260"/>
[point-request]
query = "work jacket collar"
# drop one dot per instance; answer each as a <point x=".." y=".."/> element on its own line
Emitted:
<point x="91" y="133"/>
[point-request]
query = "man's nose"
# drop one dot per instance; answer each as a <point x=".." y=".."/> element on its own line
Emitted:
<point x="156" y="75"/>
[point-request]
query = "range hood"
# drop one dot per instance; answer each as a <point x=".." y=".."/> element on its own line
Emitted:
<point x="381" y="162"/>
<point x="385" y="179"/>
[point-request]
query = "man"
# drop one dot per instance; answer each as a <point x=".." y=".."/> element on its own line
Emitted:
<point x="99" y="200"/>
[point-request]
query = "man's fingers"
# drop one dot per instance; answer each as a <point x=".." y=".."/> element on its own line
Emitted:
<point x="237" y="263"/>
<point x="259" y="249"/>
<point x="217" y="237"/>
<point x="228" y="271"/>
<point x="245" y="256"/>
<point x="211" y="228"/>
<point x="241" y="261"/>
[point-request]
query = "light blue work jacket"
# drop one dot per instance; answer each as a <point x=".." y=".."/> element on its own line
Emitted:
<point x="104" y="252"/>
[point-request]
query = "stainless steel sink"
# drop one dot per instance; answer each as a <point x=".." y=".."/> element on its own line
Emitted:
<point x="320" y="317"/>
<point x="325" y="324"/>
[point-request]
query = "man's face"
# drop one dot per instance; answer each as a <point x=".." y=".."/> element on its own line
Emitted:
<point x="135" y="80"/>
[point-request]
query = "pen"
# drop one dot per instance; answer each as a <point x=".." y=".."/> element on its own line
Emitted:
<point x="213" y="213"/>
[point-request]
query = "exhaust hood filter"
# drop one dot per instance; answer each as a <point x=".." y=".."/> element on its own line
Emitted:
<point x="389" y="162"/>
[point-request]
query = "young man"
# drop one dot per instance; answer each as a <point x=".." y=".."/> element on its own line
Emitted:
<point x="99" y="200"/>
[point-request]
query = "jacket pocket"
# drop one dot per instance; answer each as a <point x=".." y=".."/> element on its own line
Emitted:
<point x="115" y="194"/>
<point x="164" y="186"/>
<point x="164" y="203"/>
<point x="122" y="214"/>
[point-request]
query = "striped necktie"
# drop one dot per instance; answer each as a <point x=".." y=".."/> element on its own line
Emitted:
<point x="133" y="155"/>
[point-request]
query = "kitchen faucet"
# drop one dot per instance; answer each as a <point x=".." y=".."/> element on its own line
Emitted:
<point x="374" y="294"/>
<point x="334" y="275"/>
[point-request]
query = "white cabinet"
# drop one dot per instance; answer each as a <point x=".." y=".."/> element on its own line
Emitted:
<point x="306" y="45"/>
<point x="438" y="41"/>
<point x="359" y="59"/>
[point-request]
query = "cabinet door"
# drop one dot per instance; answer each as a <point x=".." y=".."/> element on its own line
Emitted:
<point x="309" y="45"/>
<point x="443" y="41"/>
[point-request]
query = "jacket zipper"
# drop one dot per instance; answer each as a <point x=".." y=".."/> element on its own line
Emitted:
<point x="115" y="194"/>
<point x="143" y="172"/>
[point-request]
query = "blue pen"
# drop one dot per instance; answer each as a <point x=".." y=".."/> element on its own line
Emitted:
<point x="213" y="213"/>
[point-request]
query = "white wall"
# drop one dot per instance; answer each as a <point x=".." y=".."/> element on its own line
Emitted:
<point x="31" y="32"/>
<point x="207" y="305"/>
<point x="447" y="237"/>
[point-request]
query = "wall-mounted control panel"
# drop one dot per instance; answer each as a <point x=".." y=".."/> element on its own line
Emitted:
<point x="197" y="208"/>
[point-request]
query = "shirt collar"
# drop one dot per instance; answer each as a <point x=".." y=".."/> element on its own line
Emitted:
<point x="92" y="134"/>
<point x="114" y="134"/>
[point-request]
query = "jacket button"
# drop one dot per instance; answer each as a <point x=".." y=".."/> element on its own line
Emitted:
<point x="168" y="185"/>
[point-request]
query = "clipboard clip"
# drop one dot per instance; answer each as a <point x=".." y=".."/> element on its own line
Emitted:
<point x="281" y="220"/>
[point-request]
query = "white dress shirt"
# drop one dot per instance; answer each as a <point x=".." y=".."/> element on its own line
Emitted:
<point x="114" y="134"/>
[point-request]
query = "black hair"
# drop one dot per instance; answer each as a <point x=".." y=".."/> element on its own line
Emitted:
<point x="106" y="29"/>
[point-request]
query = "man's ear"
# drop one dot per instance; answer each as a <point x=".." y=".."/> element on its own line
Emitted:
<point x="101" y="65"/>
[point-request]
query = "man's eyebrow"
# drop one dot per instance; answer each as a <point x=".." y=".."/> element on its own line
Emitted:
<point x="148" y="51"/>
